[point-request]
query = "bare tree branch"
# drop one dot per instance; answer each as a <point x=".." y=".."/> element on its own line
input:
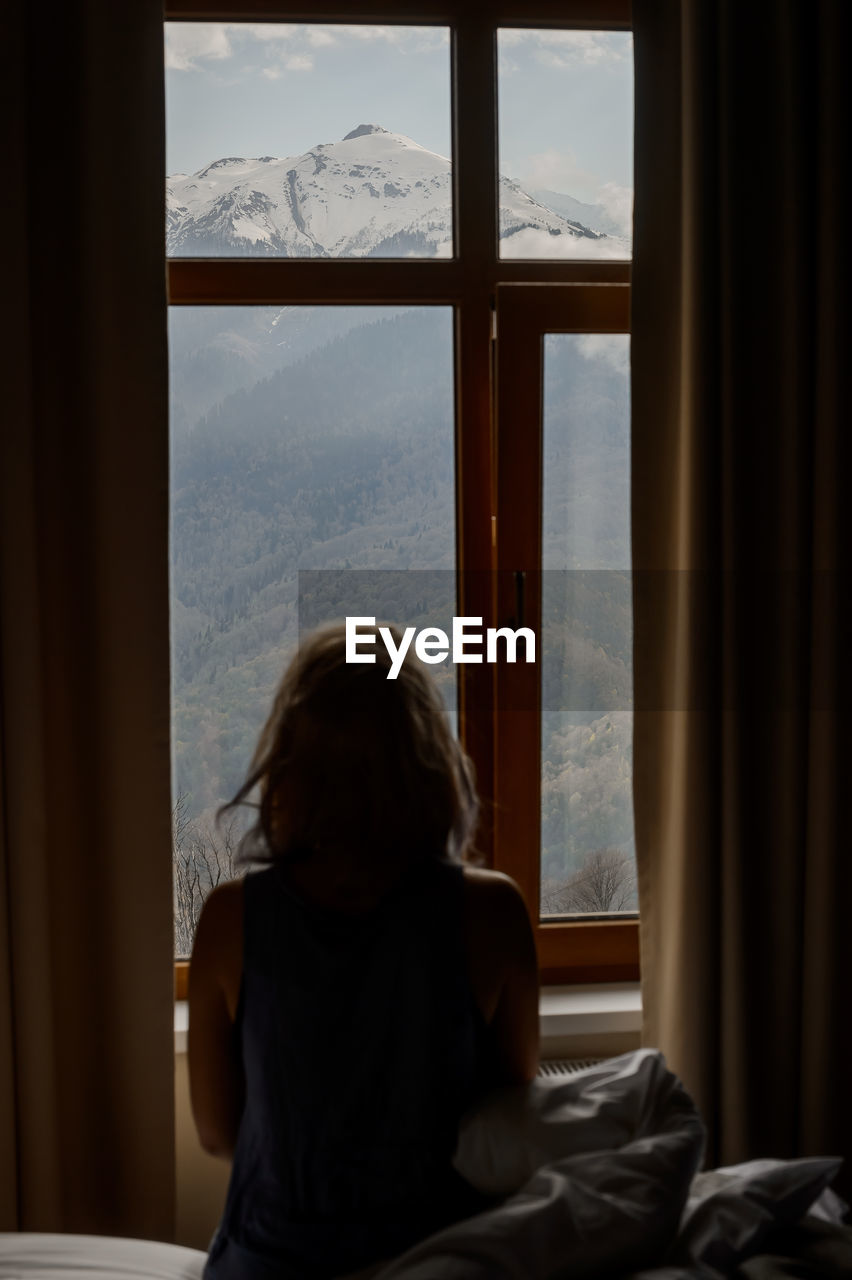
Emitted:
<point x="202" y="857"/>
<point x="605" y="882"/>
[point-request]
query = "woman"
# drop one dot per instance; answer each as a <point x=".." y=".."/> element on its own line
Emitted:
<point x="352" y="999"/>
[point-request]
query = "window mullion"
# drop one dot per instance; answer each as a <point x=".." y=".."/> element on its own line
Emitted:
<point x="474" y="80"/>
<point x="517" y="714"/>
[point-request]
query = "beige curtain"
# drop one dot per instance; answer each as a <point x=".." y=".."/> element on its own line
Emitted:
<point x="86" y="1040"/>
<point x="741" y="543"/>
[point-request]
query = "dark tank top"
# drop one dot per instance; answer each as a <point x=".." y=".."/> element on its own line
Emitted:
<point x="362" y="1044"/>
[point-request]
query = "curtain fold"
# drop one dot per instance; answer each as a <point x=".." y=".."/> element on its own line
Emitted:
<point x="86" y="1034"/>
<point x="741" y="548"/>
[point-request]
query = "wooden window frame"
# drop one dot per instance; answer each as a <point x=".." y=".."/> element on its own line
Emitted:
<point x="487" y="536"/>
<point x="588" y="950"/>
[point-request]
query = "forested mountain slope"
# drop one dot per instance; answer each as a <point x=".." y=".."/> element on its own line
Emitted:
<point x="343" y="459"/>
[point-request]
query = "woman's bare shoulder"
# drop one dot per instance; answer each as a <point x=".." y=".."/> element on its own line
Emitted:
<point x="224" y="904"/>
<point x="217" y="955"/>
<point x="492" y="891"/>
<point x="496" y="912"/>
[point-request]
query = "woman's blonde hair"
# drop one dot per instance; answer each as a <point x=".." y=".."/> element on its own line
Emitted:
<point x="349" y="759"/>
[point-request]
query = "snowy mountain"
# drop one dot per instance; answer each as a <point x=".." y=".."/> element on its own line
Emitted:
<point x="373" y="194"/>
<point x="590" y="215"/>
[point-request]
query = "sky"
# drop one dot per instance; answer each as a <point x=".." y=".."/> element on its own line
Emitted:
<point x="255" y="89"/>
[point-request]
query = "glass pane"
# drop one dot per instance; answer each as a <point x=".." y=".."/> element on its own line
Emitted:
<point x="307" y="141"/>
<point x="587" y="851"/>
<point x="566" y="143"/>
<point x="301" y="439"/>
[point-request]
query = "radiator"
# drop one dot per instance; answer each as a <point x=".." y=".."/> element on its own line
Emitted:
<point x="559" y="1067"/>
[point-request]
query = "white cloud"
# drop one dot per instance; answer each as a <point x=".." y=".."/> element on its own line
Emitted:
<point x="324" y="35"/>
<point x="289" y="62"/>
<point x="559" y="171"/>
<point x="187" y="42"/>
<point x="319" y="37"/>
<point x="610" y="348"/>
<point x="535" y="243"/>
<point x="555" y="171"/>
<point x="266" y="32"/>
<point x="618" y="203"/>
<point x="404" y="38"/>
<point x="567" y="48"/>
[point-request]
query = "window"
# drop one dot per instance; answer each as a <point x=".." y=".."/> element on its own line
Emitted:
<point x="474" y="325"/>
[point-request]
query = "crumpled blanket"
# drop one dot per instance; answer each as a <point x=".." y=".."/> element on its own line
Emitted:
<point x="594" y="1175"/>
<point x="597" y="1175"/>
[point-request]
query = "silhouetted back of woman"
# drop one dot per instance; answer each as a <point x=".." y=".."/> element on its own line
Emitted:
<point x="350" y="1000"/>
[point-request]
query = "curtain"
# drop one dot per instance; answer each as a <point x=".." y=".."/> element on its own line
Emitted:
<point x="86" y="1034"/>
<point x="741" y="546"/>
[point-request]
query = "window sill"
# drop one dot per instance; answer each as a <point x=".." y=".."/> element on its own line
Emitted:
<point x="181" y="1025"/>
<point x="591" y="1021"/>
<point x="577" y="1021"/>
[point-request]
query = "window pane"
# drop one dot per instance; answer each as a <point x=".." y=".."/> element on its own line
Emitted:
<point x="302" y="439"/>
<point x="588" y="852"/>
<point x="566" y="143"/>
<point x="307" y="141"/>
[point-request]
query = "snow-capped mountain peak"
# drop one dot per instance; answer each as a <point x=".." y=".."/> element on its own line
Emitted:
<point x="363" y="129"/>
<point x="375" y="193"/>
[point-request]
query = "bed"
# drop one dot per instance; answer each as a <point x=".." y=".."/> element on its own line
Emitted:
<point x="592" y="1175"/>
<point x="37" y="1256"/>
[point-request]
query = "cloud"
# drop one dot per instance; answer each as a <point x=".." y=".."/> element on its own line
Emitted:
<point x="568" y="48"/>
<point x="609" y="348"/>
<point x="404" y="38"/>
<point x="559" y="171"/>
<point x="319" y="37"/>
<point x="265" y="32"/>
<point x="618" y="203"/>
<point x="535" y="243"/>
<point x="292" y="62"/>
<point x="191" y="43"/>
<point x="555" y="171"/>
<point x="188" y="42"/>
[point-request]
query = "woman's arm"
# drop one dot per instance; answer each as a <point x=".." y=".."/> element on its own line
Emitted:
<point x="216" y="1084"/>
<point x="504" y="970"/>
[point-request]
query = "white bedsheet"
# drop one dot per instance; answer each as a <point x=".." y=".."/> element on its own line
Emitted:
<point x="598" y="1171"/>
<point x="598" y="1175"/>
<point x="38" y="1256"/>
